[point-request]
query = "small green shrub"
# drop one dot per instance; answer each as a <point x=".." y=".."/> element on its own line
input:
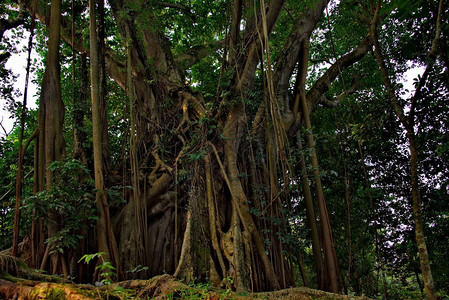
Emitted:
<point x="106" y="269"/>
<point x="70" y="200"/>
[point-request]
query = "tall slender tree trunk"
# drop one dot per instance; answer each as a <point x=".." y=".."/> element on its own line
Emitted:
<point x="408" y="122"/>
<point x="330" y="256"/>
<point x="103" y="88"/>
<point x="16" y="231"/>
<point x="79" y="110"/>
<point x="328" y="243"/>
<point x="54" y="143"/>
<point x="16" y="228"/>
<point x="311" y="218"/>
<point x="417" y="217"/>
<point x="105" y="236"/>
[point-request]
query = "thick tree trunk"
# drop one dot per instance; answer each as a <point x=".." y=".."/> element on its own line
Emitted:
<point x="50" y="144"/>
<point x="213" y="216"/>
<point x="232" y="131"/>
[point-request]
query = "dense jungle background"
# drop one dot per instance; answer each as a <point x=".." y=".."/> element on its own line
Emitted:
<point x="252" y="145"/>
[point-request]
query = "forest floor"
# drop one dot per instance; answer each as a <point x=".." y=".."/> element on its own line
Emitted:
<point x="159" y="287"/>
<point x="17" y="281"/>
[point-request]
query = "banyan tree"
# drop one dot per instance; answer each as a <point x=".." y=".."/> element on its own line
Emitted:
<point x="218" y="147"/>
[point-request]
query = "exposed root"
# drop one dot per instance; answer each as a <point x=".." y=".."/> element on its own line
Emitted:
<point x="15" y="270"/>
<point x="158" y="287"/>
<point x="195" y="104"/>
<point x="184" y="269"/>
<point x="36" y="290"/>
<point x="11" y="264"/>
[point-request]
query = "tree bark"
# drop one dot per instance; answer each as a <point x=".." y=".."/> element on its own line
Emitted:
<point x="330" y="257"/>
<point x="79" y="110"/>
<point x="311" y="219"/>
<point x="105" y="236"/>
<point x="103" y="89"/>
<point x="49" y="146"/>
<point x="424" y="260"/>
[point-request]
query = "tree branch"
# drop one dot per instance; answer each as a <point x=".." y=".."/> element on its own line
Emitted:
<point x="114" y="66"/>
<point x="234" y="31"/>
<point x="4" y="56"/>
<point x="334" y="102"/>
<point x="9" y="24"/>
<point x="247" y="71"/>
<point x="287" y="60"/>
<point x="322" y="85"/>
<point x="196" y="53"/>
<point x="4" y="129"/>
<point x="431" y="58"/>
<point x="384" y="70"/>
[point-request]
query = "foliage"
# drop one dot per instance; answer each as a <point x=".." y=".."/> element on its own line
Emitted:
<point x="8" y="165"/>
<point x="71" y="196"/>
<point x="200" y="291"/>
<point x="106" y="270"/>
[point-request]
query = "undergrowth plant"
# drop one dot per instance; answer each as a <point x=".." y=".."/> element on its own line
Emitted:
<point x="71" y="198"/>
